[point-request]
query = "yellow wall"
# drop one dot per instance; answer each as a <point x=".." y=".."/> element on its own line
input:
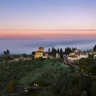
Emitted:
<point x="38" y="54"/>
<point x="72" y="59"/>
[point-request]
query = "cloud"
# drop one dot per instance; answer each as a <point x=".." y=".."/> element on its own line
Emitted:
<point x="29" y="45"/>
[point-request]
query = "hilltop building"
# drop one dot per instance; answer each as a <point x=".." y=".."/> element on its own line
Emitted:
<point x="40" y="52"/>
<point x="57" y="55"/>
<point x="93" y="53"/>
<point x="46" y="55"/>
<point x="77" y="55"/>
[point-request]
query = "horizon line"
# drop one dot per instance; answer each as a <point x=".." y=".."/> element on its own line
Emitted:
<point x="48" y="29"/>
<point x="47" y="36"/>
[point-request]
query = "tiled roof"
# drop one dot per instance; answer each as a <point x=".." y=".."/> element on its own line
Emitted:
<point x="73" y="56"/>
<point x="41" y="47"/>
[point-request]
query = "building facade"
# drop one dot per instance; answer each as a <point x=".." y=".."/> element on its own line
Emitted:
<point x="77" y="55"/>
<point x="40" y="52"/>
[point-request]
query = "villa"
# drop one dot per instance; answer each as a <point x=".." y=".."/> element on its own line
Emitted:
<point x="77" y="55"/>
<point x="93" y="53"/>
<point x="40" y="52"/>
<point x="57" y="55"/>
<point x="45" y="55"/>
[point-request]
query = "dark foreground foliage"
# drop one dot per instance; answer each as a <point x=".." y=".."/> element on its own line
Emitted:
<point x="18" y="78"/>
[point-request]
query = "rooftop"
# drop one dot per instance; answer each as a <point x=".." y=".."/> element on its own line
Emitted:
<point x="41" y="47"/>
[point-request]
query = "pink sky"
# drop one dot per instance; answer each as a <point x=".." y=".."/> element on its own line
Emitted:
<point x="51" y="18"/>
<point x="55" y="33"/>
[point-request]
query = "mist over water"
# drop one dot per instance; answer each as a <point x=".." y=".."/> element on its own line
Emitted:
<point x="28" y="45"/>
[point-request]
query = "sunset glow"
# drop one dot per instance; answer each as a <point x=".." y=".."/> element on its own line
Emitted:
<point x="20" y="33"/>
<point x="45" y="18"/>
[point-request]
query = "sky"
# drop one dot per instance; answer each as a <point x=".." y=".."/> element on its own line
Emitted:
<point x="32" y="18"/>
